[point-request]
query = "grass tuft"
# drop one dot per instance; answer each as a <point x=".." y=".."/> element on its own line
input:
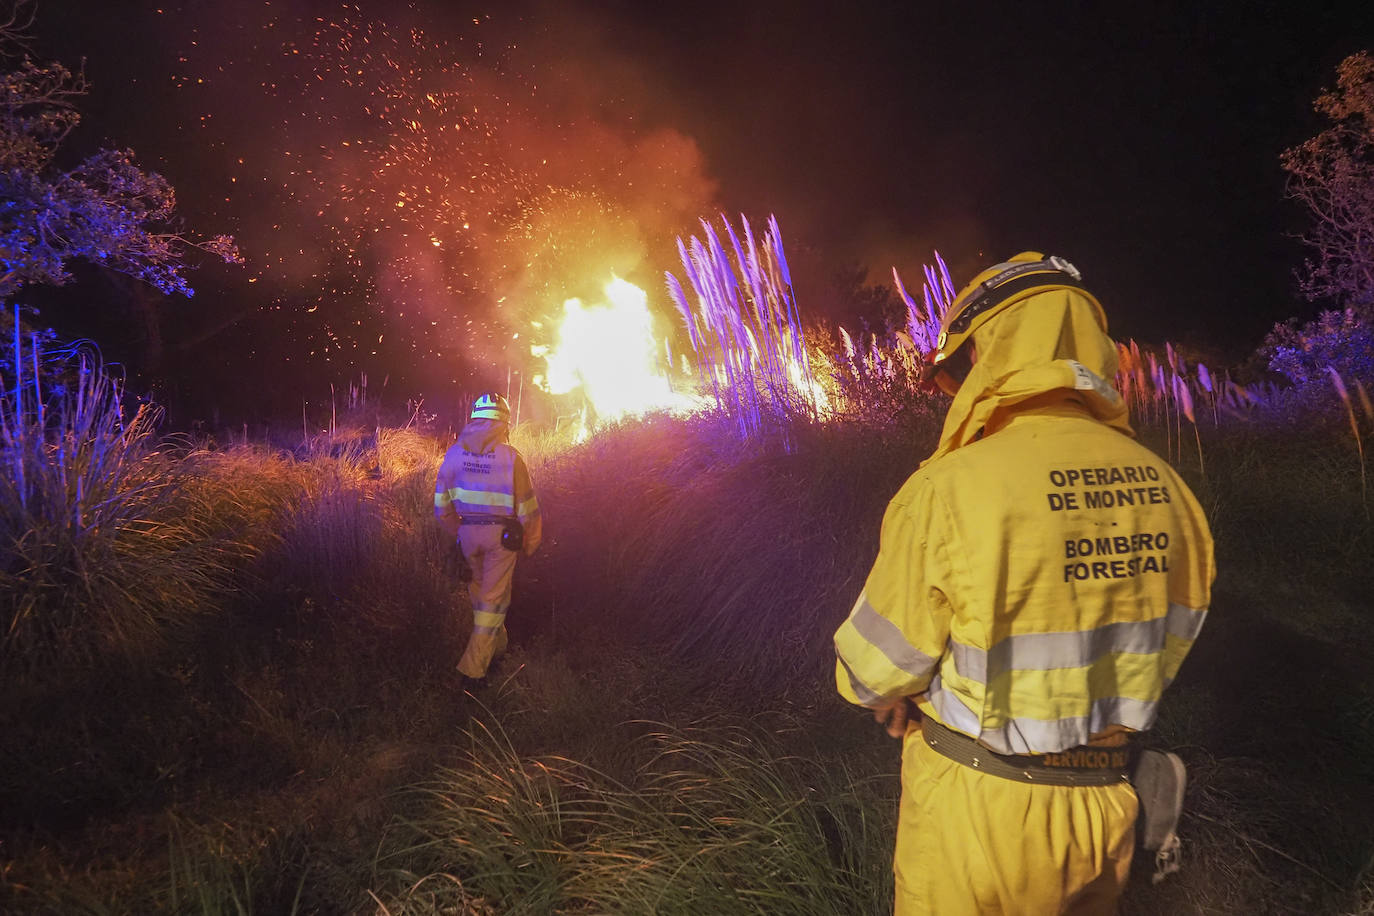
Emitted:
<point x="716" y="819"/>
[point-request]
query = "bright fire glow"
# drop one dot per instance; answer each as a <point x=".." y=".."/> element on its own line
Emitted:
<point x="609" y="353"/>
<point x="803" y="378"/>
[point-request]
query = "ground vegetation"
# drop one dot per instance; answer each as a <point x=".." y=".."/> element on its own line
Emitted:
<point x="236" y="693"/>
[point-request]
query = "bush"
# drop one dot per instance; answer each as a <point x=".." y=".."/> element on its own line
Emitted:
<point x="1342" y="340"/>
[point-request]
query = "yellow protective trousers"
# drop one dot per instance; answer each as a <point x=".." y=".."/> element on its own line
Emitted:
<point x="492" y="569"/>
<point x="975" y="843"/>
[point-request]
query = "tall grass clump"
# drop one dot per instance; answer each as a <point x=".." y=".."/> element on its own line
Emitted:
<point x="746" y="330"/>
<point x="714" y="819"/>
<point x="97" y="555"/>
<point x="742" y="561"/>
<point x="877" y="373"/>
<point x="360" y="552"/>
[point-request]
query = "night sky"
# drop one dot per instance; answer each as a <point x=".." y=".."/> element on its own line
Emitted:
<point x="1141" y="141"/>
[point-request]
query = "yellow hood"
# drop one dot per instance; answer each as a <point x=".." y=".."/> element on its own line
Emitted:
<point x="481" y="436"/>
<point x="1047" y="348"/>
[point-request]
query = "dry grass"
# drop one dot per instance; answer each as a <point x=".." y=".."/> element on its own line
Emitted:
<point x="255" y="757"/>
<point x="716" y="818"/>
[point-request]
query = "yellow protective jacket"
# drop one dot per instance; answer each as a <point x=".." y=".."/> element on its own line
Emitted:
<point x="481" y="474"/>
<point x="1042" y="576"/>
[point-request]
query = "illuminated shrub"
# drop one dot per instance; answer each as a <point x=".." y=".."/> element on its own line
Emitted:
<point x="1343" y="340"/>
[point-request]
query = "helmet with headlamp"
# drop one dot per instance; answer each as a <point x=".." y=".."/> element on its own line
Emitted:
<point x="992" y="292"/>
<point x="491" y="406"/>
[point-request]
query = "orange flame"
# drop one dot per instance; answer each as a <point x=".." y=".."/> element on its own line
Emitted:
<point x="610" y="354"/>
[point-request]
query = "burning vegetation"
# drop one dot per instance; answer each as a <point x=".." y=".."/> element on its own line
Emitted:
<point x="226" y="659"/>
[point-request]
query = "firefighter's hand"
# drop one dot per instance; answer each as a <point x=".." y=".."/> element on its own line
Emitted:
<point x="893" y="714"/>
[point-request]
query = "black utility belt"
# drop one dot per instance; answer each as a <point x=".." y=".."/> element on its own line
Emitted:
<point x="1078" y="766"/>
<point x="485" y="519"/>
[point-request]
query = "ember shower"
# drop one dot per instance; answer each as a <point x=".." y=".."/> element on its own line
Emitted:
<point x="412" y="204"/>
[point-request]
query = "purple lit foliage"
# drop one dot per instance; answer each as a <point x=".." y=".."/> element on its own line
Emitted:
<point x="878" y="372"/>
<point x="937" y="295"/>
<point x="1342" y="341"/>
<point x="746" y="329"/>
<point x="105" y="210"/>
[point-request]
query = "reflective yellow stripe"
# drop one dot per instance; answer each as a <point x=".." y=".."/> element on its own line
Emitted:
<point x="528" y="507"/>
<point x="488" y="618"/>
<point x="481" y="498"/>
<point x="442" y="500"/>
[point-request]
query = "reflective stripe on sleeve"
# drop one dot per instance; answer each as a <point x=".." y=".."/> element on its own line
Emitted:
<point x="877" y="657"/>
<point x="884" y="635"/>
<point x="861" y="690"/>
<point x="442" y="500"/>
<point x="528" y="507"/>
<point x="1185" y="622"/>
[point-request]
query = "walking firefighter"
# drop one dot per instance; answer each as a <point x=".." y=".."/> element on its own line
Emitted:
<point x="485" y="500"/>
<point x="1039" y="580"/>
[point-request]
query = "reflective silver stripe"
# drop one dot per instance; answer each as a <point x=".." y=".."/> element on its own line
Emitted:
<point x="884" y="635"/>
<point x="1031" y="736"/>
<point x="970" y="661"/>
<point x="952" y="709"/>
<point x="488" y="630"/>
<point x="1185" y="622"/>
<point x="861" y="690"/>
<point x="1042" y="736"/>
<point x="1070" y="649"/>
<point x="482" y="497"/>
<point x="441" y="500"/>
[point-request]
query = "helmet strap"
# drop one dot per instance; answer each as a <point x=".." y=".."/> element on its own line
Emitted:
<point x="998" y="289"/>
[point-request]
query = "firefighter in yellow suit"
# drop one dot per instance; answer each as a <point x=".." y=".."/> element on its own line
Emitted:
<point x="1039" y="580"/>
<point x="484" y="491"/>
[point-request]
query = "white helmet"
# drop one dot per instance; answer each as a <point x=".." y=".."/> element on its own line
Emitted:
<point x="491" y="406"/>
